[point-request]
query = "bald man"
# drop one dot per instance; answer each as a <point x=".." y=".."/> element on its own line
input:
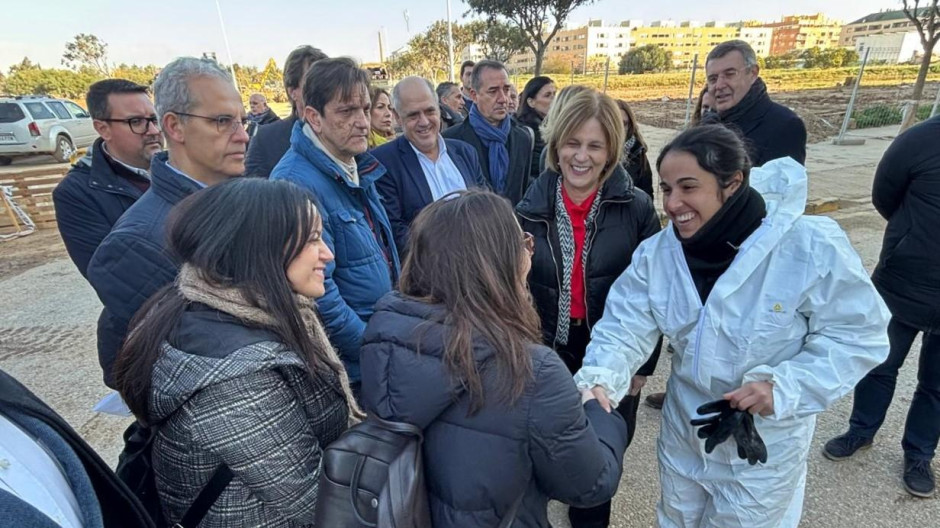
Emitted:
<point x="421" y="166"/>
<point x="260" y="113"/>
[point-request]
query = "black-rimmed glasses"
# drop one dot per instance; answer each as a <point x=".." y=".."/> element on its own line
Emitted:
<point x="138" y="125"/>
<point x="223" y="123"/>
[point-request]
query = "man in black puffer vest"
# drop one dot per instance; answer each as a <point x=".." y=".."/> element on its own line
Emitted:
<point x="770" y="130"/>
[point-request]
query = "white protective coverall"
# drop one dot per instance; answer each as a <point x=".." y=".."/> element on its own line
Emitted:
<point x="795" y="308"/>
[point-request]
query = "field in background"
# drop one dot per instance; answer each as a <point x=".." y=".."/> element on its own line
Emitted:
<point x="676" y="84"/>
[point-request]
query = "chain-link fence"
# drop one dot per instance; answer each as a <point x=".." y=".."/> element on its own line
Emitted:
<point x="881" y="112"/>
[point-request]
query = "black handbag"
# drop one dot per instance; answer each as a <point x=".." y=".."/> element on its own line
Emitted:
<point x="373" y="476"/>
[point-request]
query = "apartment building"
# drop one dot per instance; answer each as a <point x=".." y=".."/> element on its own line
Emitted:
<point x="881" y="23"/>
<point x="684" y="39"/>
<point x="591" y="43"/>
<point x="800" y="32"/>
<point x="890" y="48"/>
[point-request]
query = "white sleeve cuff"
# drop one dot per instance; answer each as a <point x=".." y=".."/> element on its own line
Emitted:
<point x="615" y="383"/>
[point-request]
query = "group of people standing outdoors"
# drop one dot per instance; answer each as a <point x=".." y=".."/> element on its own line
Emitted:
<point x="505" y="285"/>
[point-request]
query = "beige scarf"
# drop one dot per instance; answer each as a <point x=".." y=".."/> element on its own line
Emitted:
<point x="195" y="288"/>
<point x="351" y="170"/>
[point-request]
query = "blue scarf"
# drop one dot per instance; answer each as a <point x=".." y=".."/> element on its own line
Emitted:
<point x="495" y="140"/>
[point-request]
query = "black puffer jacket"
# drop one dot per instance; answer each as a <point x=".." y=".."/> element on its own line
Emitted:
<point x="547" y="445"/>
<point x="906" y="192"/>
<point x="624" y="219"/>
<point x="534" y="122"/>
<point x="638" y="167"/>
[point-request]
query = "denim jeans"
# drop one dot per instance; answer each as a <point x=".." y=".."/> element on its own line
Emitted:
<point x="874" y="393"/>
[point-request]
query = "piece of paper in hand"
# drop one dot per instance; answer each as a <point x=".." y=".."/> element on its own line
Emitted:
<point x="113" y="404"/>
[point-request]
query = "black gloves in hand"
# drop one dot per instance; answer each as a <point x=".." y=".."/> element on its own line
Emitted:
<point x="727" y="422"/>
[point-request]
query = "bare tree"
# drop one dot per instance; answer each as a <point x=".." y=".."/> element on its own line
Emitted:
<point x="87" y="51"/>
<point x="926" y="20"/>
<point x="532" y="17"/>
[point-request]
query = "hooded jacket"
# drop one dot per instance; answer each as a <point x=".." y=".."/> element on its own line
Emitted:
<point x="223" y="392"/>
<point x="795" y="308"/>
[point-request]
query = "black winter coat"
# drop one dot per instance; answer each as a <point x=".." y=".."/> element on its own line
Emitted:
<point x="906" y="192"/>
<point x="624" y="219"/>
<point x="534" y="122"/>
<point x="267" y="147"/>
<point x="547" y="445"/>
<point x="769" y="129"/>
<point x="638" y="167"/>
<point x="88" y="202"/>
<point x="520" y="157"/>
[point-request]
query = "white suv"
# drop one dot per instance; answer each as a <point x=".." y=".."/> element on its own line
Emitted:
<point x="31" y="124"/>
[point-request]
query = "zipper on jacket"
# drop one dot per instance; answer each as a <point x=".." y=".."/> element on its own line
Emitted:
<point x="584" y="265"/>
<point x="701" y="316"/>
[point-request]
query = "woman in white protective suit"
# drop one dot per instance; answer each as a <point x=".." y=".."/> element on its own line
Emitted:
<point x="767" y="309"/>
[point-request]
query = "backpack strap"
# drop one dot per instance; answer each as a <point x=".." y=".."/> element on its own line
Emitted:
<point x="206" y="498"/>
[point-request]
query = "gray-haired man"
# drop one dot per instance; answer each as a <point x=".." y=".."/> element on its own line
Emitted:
<point x="771" y="130"/>
<point x="203" y="123"/>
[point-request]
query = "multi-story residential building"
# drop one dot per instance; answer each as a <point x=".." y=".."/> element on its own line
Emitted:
<point x="881" y="23"/>
<point x="684" y="39"/>
<point x="473" y="52"/>
<point x="800" y="32"/>
<point x="759" y="37"/>
<point x="589" y="44"/>
<point x="890" y="48"/>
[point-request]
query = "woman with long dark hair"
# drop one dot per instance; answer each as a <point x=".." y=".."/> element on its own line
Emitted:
<point x="587" y="218"/>
<point x="456" y="354"/>
<point x="534" y="102"/>
<point x="772" y="316"/>
<point x="231" y="365"/>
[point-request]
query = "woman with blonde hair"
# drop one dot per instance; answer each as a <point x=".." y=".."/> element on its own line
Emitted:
<point x="587" y="219"/>
<point x="382" y="122"/>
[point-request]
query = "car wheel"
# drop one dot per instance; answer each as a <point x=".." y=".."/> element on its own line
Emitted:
<point x="63" y="149"/>
<point x="4" y="161"/>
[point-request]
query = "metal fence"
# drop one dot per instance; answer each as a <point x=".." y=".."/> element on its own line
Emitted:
<point x="883" y="114"/>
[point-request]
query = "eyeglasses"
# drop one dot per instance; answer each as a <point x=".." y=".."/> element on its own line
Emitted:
<point x="223" y="123"/>
<point x="528" y="240"/>
<point x="728" y="75"/>
<point x="138" y="125"/>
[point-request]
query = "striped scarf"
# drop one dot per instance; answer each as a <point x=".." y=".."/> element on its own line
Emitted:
<point x="567" y="244"/>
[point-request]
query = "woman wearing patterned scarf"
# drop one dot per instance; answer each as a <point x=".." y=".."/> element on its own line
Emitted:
<point x="587" y="219"/>
<point x="231" y="365"/>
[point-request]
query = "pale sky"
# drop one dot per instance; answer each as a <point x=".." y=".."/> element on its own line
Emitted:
<point x="156" y="32"/>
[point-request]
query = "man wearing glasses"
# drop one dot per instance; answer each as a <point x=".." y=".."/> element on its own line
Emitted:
<point x="115" y="172"/>
<point x="203" y="122"/>
<point x="771" y="130"/>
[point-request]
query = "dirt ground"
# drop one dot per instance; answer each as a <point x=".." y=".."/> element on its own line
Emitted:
<point x="24" y="253"/>
<point x="821" y="110"/>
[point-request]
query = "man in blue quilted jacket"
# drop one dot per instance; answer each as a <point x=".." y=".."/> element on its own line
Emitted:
<point x="202" y="119"/>
<point x="328" y="158"/>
